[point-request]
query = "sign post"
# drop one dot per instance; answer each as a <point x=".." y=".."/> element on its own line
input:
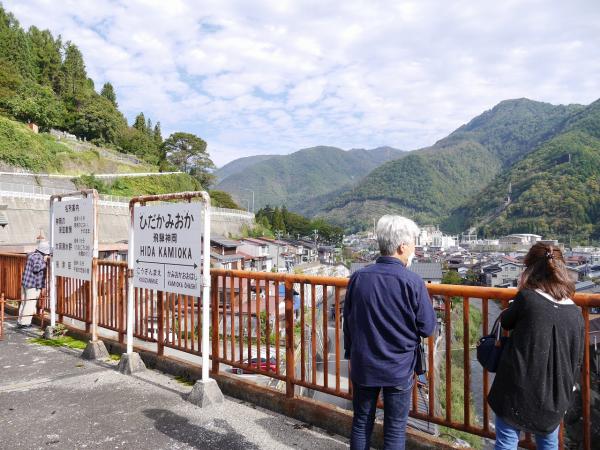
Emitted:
<point x="74" y="247"/>
<point x="169" y="251"/>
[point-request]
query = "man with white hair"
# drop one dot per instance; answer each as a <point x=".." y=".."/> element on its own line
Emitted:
<point x="386" y="311"/>
<point x="32" y="283"/>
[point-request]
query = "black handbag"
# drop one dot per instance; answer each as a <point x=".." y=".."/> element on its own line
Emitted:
<point x="421" y="363"/>
<point x="489" y="348"/>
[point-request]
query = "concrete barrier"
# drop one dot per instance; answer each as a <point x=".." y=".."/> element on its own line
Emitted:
<point x="27" y="214"/>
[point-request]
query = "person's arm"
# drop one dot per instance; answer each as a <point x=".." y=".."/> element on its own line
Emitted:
<point x="425" y="314"/>
<point x="510" y="315"/>
<point x="346" y="314"/>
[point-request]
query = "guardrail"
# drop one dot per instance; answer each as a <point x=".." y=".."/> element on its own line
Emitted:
<point x="44" y="193"/>
<point x="288" y="328"/>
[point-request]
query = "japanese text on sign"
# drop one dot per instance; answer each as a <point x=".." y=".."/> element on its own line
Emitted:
<point x="73" y="238"/>
<point x="168" y="247"/>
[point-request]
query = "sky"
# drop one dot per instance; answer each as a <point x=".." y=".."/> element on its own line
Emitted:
<point x="275" y="76"/>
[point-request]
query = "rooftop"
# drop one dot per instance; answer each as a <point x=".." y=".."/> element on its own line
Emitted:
<point x="224" y="242"/>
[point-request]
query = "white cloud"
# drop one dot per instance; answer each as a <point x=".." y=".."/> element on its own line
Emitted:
<point x="274" y="76"/>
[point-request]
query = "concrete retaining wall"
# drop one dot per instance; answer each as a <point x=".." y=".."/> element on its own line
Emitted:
<point x="27" y="216"/>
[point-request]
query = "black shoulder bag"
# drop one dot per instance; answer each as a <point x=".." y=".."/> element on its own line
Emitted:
<point x="489" y="348"/>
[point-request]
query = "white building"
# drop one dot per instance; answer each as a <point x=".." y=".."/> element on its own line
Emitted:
<point x="520" y="239"/>
<point x="258" y="251"/>
<point x="431" y="236"/>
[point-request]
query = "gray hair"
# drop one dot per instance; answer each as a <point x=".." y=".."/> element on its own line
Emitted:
<point x="393" y="231"/>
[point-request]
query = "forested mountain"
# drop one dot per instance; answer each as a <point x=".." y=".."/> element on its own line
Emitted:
<point x="43" y="80"/>
<point x="429" y="183"/>
<point x="555" y="189"/>
<point x="296" y="180"/>
<point x="239" y="165"/>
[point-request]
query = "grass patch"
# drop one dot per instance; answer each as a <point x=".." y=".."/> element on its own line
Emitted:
<point x="20" y="147"/>
<point x="184" y="381"/>
<point x="63" y="341"/>
<point x="115" y="357"/>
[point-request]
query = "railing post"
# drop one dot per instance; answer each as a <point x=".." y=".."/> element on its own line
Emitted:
<point x="290" y="366"/>
<point x="1" y="316"/>
<point x="121" y="297"/>
<point x="88" y="305"/>
<point x="161" y="322"/>
<point x="586" y="385"/>
<point x="60" y="299"/>
<point x="214" y="311"/>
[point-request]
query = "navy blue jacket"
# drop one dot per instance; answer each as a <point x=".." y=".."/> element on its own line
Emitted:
<point x="386" y="309"/>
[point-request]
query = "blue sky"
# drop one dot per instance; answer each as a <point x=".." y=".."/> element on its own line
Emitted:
<point x="271" y="77"/>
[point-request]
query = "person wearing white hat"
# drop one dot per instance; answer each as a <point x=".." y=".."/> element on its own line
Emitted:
<point x="32" y="283"/>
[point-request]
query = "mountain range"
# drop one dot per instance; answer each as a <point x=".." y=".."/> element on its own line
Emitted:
<point x="548" y="156"/>
<point x="300" y="178"/>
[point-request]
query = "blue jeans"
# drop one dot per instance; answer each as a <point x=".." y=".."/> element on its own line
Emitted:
<point x="507" y="437"/>
<point x="396" y="404"/>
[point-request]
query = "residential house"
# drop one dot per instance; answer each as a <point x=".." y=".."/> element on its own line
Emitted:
<point x="431" y="272"/>
<point x="256" y="255"/>
<point x="502" y="273"/>
<point x="283" y="254"/>
<point x="224" y="255"/>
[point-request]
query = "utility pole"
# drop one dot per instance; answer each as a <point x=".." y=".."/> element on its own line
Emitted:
<point x="278" y="234"/>
<point x="246" y="189"/>
<point x="315" y="235"/>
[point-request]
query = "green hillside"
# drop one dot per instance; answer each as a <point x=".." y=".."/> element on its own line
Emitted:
<point x="428" y="184"/>
<point x="297" y="179"/>
<point x="44" y="81"/>
<point x="239" y="165"/>
<point x="551" y="195"/>
<point x="20" y="147"/>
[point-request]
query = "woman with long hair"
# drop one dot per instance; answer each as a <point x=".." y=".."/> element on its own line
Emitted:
<point x="541" y="363"/>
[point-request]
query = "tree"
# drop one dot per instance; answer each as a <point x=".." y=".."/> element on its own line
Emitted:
<point x="157" y="134"/>
<point x="140" y="122"/>
<point x="108" y="92"/>
<point x="452" y="277"/>
<point x="14" y="44"/>
<point x="10" y="81"/>
<point x="74" y="81"/>
<point x="46" y="56"/>
<point x="132" y="140"/>
<point x="99" y="120"/>
<point x="37" y="104"/>
<point x="149" y="129"/>
<point x="222" y="200"/>
<point x="278" y="223"/>
<point x="188" y="152"/>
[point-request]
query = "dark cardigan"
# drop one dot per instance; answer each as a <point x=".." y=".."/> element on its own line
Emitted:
<point x="540" y="364"/>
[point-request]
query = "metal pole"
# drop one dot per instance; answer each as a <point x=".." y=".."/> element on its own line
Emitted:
<point x="94" y="278"/>
<point x="130" y="282"/>
<point x="206" y="286"/>
<point x="52" y="276"/>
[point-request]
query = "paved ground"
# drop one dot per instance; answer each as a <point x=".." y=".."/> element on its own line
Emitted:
<point x="50" y="398"/>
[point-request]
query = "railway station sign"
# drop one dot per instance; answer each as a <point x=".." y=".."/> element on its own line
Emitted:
<point x="167" y="247"/>
<point x="73" y="242"/>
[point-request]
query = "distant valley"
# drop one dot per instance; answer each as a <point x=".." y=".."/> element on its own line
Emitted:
<point x="461" y="181"/>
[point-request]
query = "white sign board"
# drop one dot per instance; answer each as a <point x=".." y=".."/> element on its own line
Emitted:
<point x="167" y="251"/>
<point x="73" y="238"/>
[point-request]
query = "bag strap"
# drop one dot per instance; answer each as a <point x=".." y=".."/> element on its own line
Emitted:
<point x="497" y="328"/>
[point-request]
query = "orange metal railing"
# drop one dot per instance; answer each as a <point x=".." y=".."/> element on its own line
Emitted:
<point x="288" y="328"/>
